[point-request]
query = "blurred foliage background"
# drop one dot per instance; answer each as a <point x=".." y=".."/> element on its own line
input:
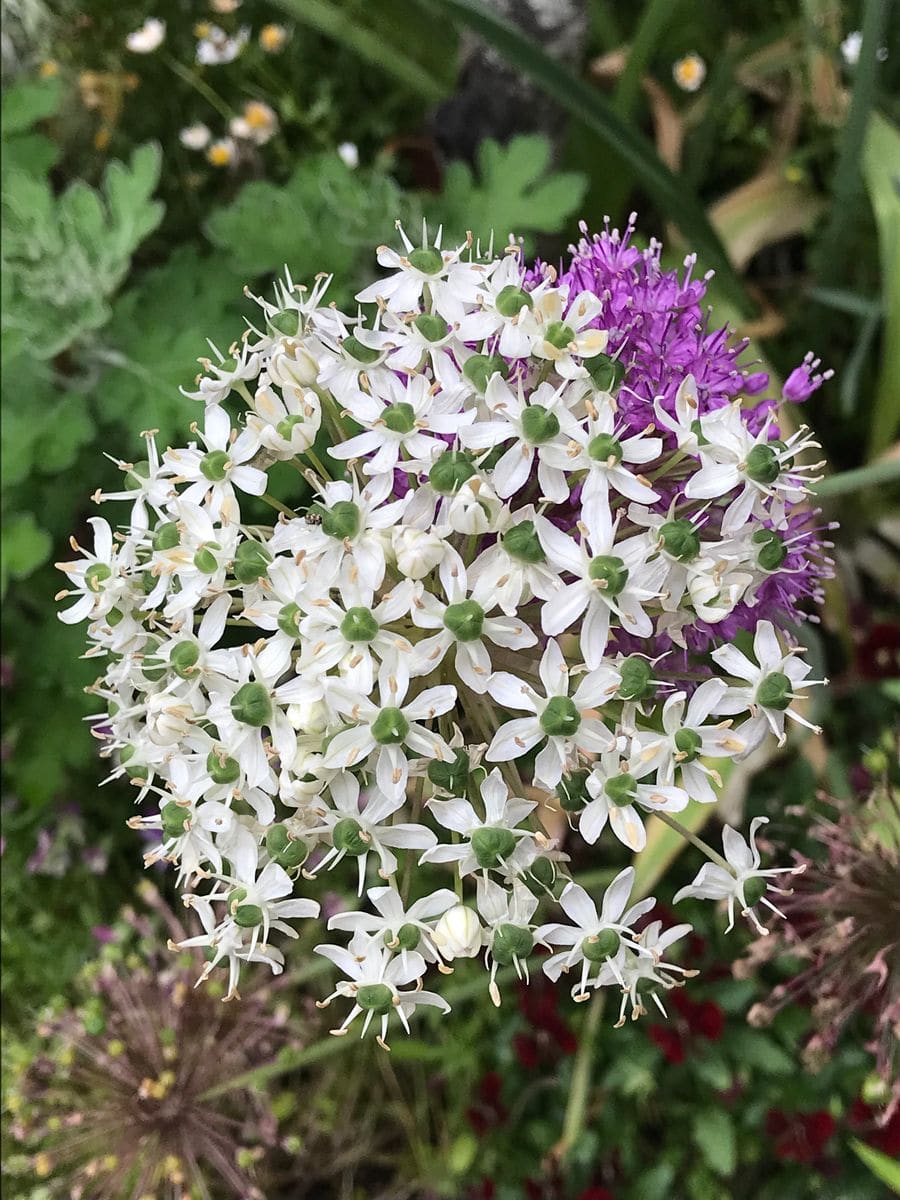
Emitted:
<point x="146" y="180"/>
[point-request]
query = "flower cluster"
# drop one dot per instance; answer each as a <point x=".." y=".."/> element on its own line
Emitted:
<point x="535" y="514"/>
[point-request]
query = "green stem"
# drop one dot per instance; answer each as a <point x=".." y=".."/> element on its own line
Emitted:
<point x="711" y="854"/>
<point x="192" y="79"/>
<point x="277" y="505"/>
<point x="884" y="471"/>
<point x="576" y="1108"/>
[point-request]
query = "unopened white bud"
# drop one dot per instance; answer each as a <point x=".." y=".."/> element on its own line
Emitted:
<point x="475" y="507"/>
<point x="417" y="551"/>
<point x="458" y="933"/>
<point x="311" y="717"/>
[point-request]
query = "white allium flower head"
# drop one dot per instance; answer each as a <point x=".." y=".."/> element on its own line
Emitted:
<point x="422" y="574"/>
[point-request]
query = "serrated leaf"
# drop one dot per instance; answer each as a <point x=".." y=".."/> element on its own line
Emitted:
<point x="327" y="217"/>
<point x="508" y="194"/>
<point x="64" y="256"/>
<point x="25" y="547"/>
<point x="28" y="102"/>
<point x="713" y="1134"/>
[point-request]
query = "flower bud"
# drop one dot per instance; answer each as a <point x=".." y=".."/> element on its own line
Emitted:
<point x="311" y="717"/>
<point x="474" y="508"/>
<point x="458" y="933"/>
<point x="418" y="552"/>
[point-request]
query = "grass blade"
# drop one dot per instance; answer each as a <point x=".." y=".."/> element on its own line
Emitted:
<point x="832" y="250"/>
<point x="334" y="22"/>
<point x="584" y="103"/>
<point x="881" y="167"/>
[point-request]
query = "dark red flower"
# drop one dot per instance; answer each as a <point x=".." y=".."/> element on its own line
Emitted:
<point x="596" y="1193"/>
<point x="695" y="1019"/>
<point x="489" y="1110"/>
<point x="669" y="1041"/>
<point x="527" y="1050"/>
<point x="799" y="1137"/>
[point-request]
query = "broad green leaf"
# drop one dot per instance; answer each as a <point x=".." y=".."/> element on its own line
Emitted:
<point x="881" y="167"/>
<point x="584" y="103"/>
<point x="327" y="217"/>
<point x="511" y="192"/>
<point x="751" y="1048"/>
<point x="885" y="1169"/>
<point x="713" y="1132"/>
<point x="25" y="547"/>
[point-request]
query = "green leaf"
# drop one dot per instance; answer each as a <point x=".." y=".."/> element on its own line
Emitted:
<point x="511" y="194"/>
<point x="28" y="102"/>
<point x="885" y="1169"/>
<point x="749" y="1048"/>
<point x="64" y="256"/>
<point x="583" y="102"/>
<point x="158" y="331"/>
<point x="881" y="168"/>
<point x="713" y="1133"/>
<point x="25" y="547"/>
<point x="327" y="217"/>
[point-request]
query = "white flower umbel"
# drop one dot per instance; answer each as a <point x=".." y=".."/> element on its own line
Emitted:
<point x="421" y="574"/>
<point x="743" y="882"/>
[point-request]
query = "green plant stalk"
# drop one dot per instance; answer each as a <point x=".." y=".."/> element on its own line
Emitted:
<point x="584" y="103"/>
<point x="874" y="475"/>
<point x="576" y="1108"/>
<point x="691" y="837"/>
<point x="192" y="79"/>
<point x="831" y="252"/>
